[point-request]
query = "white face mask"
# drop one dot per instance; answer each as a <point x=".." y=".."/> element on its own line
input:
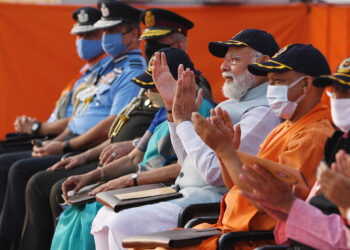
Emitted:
<point x="340" y="110"/>
<point x="156" y="99"/>
<point x="277" y="97"/>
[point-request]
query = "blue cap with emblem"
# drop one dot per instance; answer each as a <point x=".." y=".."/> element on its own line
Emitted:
<point x="259" y="40"/>
<point x="341" y="76"/>
<point x="174" y="58"/>
<point x="303" y="58"/>
<point x="85" y="18"/>
<point x="115" y="12"/>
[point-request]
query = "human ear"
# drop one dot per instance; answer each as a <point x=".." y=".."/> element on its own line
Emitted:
<point x="307" y="83"/>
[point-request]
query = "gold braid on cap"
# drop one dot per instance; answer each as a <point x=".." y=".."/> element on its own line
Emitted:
<point x="123" y="115"/>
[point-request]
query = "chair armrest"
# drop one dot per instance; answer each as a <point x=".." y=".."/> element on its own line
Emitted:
<point x="273" y="247"/>
<point x="227" y="240"/>
<point x="198" y="210"/>
<point x="195" y="221"/>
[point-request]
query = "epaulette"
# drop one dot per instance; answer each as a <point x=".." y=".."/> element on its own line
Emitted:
<point x="136" y="63"/>
<point x="119" y="59"/>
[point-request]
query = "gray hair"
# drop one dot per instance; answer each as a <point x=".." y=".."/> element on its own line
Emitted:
<point x="179" y="36"/>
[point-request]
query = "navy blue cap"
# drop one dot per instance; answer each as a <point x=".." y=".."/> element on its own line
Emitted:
<point x="161" y="22"/>
<point x="341" y="76"/>
<point x="115" y="13"/>
<point x="85" y="18"/>
<point x="302" y="58"/>
<point x="259" y="40"/>
<point x="174" y="58"/>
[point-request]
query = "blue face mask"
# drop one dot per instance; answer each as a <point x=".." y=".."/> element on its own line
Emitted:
<point x="113" y="44"/>
<point x="88" y="49"/>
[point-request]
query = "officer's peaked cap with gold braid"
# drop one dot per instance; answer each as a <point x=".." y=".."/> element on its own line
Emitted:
<point x="303" y="58"/>
<point x="259" y="40"/>
<point x="341" y="76"/>
<point x="115" y="12"/>
<point x="85" y="18"/>
<point x="174" y="58"/>
<point x="161" y="22"/>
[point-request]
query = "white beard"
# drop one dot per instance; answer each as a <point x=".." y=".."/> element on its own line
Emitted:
<point x="238" y="87"/>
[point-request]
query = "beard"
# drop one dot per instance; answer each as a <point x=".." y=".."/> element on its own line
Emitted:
<point x="238" y="87"/>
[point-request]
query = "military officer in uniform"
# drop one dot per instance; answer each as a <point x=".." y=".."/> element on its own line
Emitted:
<point x="165" y="29"/>
<point x="89" y="49"/>
<point x="38" y="188"/>
<point x="95" y="108"/>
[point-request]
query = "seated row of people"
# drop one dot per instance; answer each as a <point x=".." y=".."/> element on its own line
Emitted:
<point x="264" y="85"/>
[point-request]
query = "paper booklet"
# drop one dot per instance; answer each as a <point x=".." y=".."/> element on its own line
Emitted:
<point x="284" y="173"/>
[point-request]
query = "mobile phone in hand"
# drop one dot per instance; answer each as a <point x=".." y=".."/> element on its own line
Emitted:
<point x="37" y="142"/>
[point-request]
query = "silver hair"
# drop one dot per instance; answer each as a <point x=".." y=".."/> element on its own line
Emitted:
<point x="179" y="36"/>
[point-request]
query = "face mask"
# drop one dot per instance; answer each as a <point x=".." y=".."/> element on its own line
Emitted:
<point x="340" y="110"/>
<point x="156" y="99"/>
<point x="88" y="49"/>
<point x="153" y="46"/>
<point x="277" y="97"/>
<point x="113" y="45"/>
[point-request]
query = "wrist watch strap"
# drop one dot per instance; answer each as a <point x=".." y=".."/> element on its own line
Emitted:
<point x="67" y="147"/>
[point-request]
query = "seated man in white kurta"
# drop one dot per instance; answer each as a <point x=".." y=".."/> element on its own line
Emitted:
<point x="200" y="177"/>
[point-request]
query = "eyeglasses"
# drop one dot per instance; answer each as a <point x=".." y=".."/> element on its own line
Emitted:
<point x="233" y="60"/>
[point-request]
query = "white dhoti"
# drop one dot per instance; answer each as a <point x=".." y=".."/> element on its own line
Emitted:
<point x="110" y="228"/>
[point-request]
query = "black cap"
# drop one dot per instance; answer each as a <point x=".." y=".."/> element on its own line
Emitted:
<point x="85" y="18"/>
<point x="174" y="58"/>
<point x="341" y="76"/>
<point x="160" y="22"/>
<point x="115" y="13"/>
<point x="302" y="58"/>
<point x="259" y="40"/>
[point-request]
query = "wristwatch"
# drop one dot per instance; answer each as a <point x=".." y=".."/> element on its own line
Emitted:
<point x="36" y="128"/>
<point x="134" y="178"/>
<point x="67" y="148"/>
<point x="135" y="142"/>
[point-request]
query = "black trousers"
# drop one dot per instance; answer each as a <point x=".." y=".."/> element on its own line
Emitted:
<point x="42" y="207"/>
<point x="15" y="148"/>
<point x="15" y="171"/>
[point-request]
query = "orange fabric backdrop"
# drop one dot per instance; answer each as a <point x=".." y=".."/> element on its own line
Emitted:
<point x="38" y="58"/>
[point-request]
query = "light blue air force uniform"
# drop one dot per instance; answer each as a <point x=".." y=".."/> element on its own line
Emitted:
<point x="81" y="81"/>
<point x="114" y="90"/>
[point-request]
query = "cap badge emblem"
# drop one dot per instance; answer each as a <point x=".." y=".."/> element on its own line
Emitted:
<point x="280" y="51"/>
<point x="344" y="66"/>
<point x="104" y="10"/>
<point x="83" y="17"/>
<point x="150" y="64"/>
<point x="150" y="20"/>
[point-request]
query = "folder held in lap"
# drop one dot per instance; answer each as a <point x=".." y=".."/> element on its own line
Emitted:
<point x="123" y="198"/>
<point x="173" y="238"/>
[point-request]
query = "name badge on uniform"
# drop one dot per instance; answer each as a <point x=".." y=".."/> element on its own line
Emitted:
<point x="87" y="93"/>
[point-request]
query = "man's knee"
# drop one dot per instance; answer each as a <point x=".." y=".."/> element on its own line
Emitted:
<point x="16" y="170"/>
